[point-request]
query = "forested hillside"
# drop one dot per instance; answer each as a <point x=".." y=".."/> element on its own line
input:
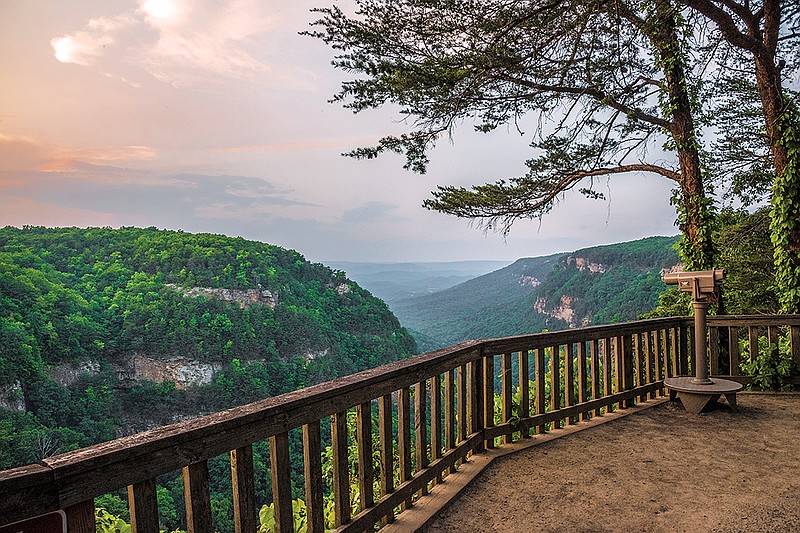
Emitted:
<point x="104" y="332"/>
<point x="598" y="285"/>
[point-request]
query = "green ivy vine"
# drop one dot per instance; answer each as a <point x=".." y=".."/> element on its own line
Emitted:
<point x="785" y="223"/>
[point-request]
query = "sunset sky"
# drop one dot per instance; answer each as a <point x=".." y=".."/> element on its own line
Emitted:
<point x="213" y="116"/>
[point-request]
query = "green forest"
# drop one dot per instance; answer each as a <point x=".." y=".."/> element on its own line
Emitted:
<point x="93" y="298"/>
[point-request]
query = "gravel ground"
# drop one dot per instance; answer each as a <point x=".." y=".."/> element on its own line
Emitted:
<point x="659" y="470"/>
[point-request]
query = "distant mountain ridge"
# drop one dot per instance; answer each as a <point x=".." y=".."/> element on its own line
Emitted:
<point x="597" y="285"/>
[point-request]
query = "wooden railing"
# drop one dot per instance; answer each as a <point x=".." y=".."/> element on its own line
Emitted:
<point x="443" y="403"/>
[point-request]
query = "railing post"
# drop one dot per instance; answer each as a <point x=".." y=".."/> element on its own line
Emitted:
<point x="594" y="354"/>
<point x="627" y="368"/>
<point x="608" y="388"/>
<point x="404" y="437"/>
<point x="555" y="382"/>
<point x="282" y="482"/>
<point x="488" y="395"/>
<point x="524" y="391"/>
<point x="436" y="420"/>
<point x="507" y="401"/>
<point x="733" y="351"/>
<point x="387" y="449"/>
<point x="341" y="474"/>
<point x="421" y="428"/>
<point x="676" y="359"/>
<point x="582" y="377"/>
<point x="462" y="394"/>
<point x="312" y="467"/>
<point x="243" y="490"/>
<point x="476" y="396"/>
<point x="449" y="413"/>
<point x="541" y="371"/>
<point x="364" y="445"/>
<point x="143" y="506"/>
<point x="197" y="498"/>
<point x="80" y="517"/>
<point x="569" y="379"/>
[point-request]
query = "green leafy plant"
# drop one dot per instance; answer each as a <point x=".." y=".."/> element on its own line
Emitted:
<point x="773" y="367"/>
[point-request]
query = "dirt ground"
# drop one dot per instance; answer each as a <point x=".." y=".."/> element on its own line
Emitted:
<point x="662" y="469"/>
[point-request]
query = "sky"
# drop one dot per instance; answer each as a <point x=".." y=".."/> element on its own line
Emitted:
<point x="214" y="116"/>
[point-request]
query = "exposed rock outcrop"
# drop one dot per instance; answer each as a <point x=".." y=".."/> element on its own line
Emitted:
<point x="180" y="370"/>
<point x="244" y="297"/>
<point x="12" y="398"/>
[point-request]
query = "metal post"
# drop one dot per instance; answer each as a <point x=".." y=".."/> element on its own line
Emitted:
<point x="700" y="345"/>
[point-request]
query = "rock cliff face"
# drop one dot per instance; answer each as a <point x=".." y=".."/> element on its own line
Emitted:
<point x="244" y="297"/>
<point x="12" y="398"/>
<point x="583" y="264"/>
<point x="180" y="370"/>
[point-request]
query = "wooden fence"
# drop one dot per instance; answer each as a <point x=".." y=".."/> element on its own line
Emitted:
<point x="443" y="403"/>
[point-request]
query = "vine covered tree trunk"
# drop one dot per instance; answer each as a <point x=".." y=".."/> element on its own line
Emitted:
<point x="694" y="208"/>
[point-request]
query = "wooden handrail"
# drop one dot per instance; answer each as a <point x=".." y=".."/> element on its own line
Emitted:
<point x="449" y="416"/>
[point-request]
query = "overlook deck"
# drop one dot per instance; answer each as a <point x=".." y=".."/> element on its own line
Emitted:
<point x="661" y="469"/>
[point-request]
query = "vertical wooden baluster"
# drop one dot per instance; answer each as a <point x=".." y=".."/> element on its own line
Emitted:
<point x="449" y="413"/>
<point x="555" y="382"/>
<point x="684" y="352"/>
<point x="626" y="345"/>
<point x="243" y="488"/>
<point x="462" y="393"/>
<point x="421" y="428"/>
<point x="488" y="396"/>
<point x="524" y="391"/>
<point x="312" y="467"/>
<point x="364" y="446"/>
<point x="582" y="378"/>
<point x="80" y="518"/>
<point x="641" y="363"/>
<point x="404" y="437"/>
<point x="649" y="366"/>
<point x="387" y="449"/>
<point x="608" y="388"/>
<point x="507" y="400"/>
<point x="713" y="345"/>
<point x="280" y="467"/>
<point x="541" y="401"/>
<point x="594" y="353"/>
<point x="197" y="498"/>
<point x="752" y="337"/>
<point x="619" y="368"/>
<point x="341" y="474"/>
<point x="569" y="379"/>
<point x="772" y="337"/>
<point x="662" y="342"/>
<point x="794" y="337"/>
<point x="143" y="506"/>
<point x="733" y="351"/>
<point x="676" y="360"/>
<point x="477" y="387"/>
<point x="436" y="420"/>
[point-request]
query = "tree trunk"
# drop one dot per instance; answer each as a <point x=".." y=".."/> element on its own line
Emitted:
<point x="693" y="206"/>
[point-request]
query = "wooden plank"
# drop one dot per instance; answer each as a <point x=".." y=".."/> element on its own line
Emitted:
<point x="476" y="388"/>
<point x="27" y="491"/>
<point x="312" y="469"/>
<point x="541" y="372"/>
<point x="555" y="382"/>
<point x="524" y="388"/>
<point x="80" y="518"/>
<point x="404" y="437"/>
<point x="772" y="337"/>
<point x="733" y="351"/>
<point x="594" y="354"/>
<point x="626" y="344"/>
<point x="280" y="466"/>
<point x="421" y="428"/>
<point x="676" y="360"/>
<point x="582" y="358"/>
<point x="608" y="387"/>
<point x="462" y="393"/>
<point x="387" y="449"/>
<point x="753" y="320"/>
<point x="364" y="446"/>
<point x="449" y="411"/>
<point x="569" y="379"/>
<point x="683" y="349"/>
<point x="649" y="366"/>
<point x="713" y="349"/>
<point x="488" y="395"/>
<point x="506" y="400"/>
<point x="197" y="499"/>
<point x="663" y="340"/>
<point x="243" y="490"/>
<point x="341" y="472"/>
<point x="794" y="335"/>
<point x="752" y="337"/>
<point x="436" y="419"/>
